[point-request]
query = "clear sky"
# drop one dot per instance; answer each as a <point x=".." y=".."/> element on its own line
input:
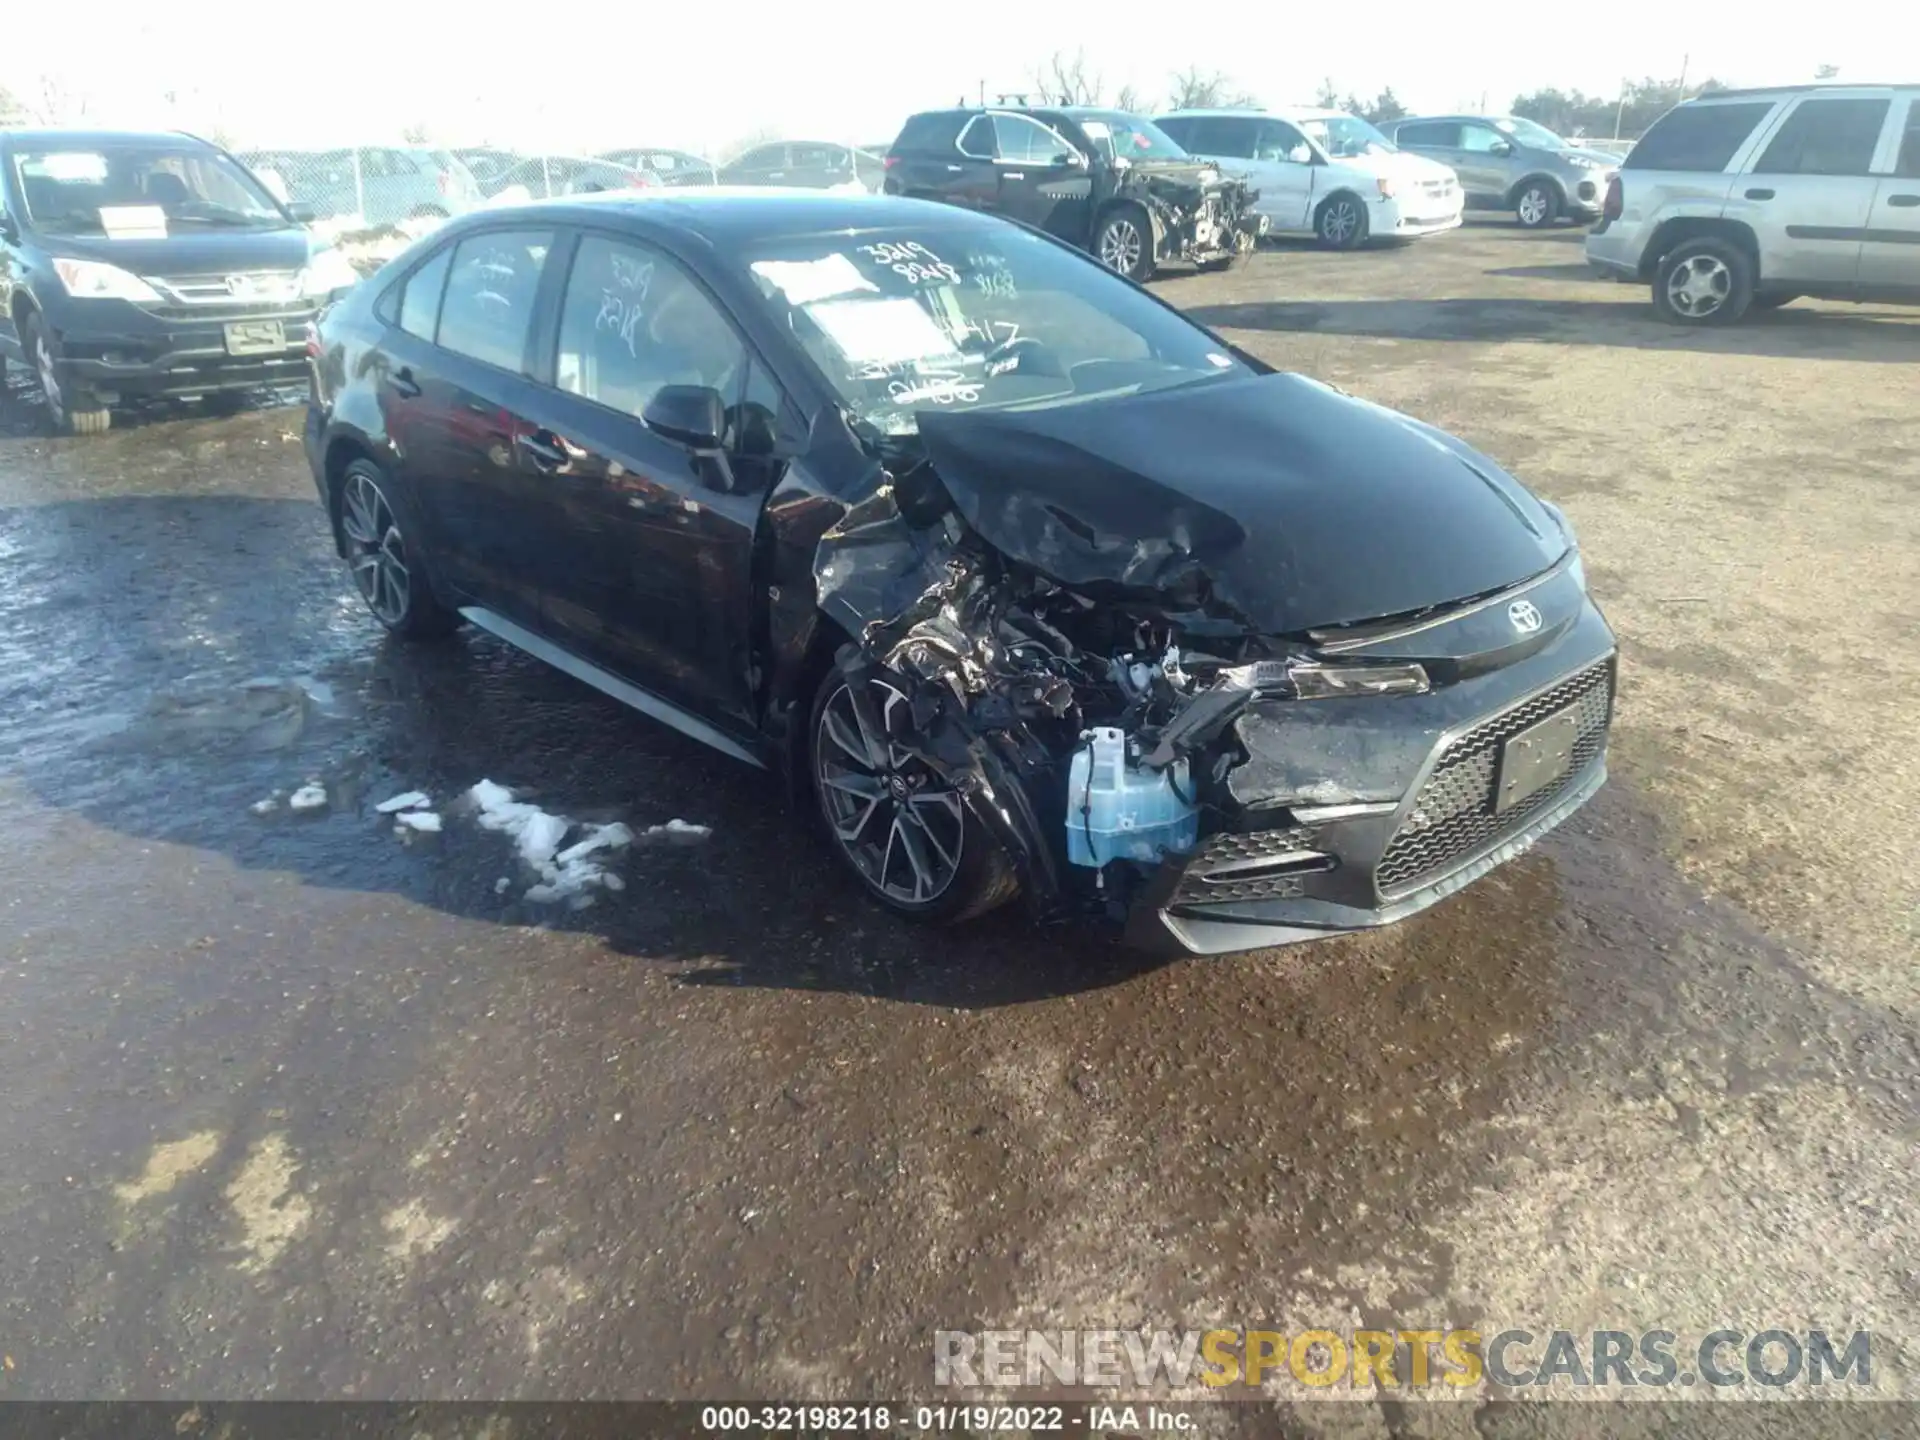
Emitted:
<point x="568" y="75"/>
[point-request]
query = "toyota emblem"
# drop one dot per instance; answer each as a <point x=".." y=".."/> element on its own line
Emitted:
<point x="1525" y="616"/>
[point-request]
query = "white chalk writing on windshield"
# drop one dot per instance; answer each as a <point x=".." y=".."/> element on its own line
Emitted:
<point x="912" y="262"/>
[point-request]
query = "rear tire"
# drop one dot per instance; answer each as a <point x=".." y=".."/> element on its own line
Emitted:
<point x="70" y="409"/>
<point x="1537" y="206"/>
<point x="913" y="843"/>
<point x="375" y="520"/>
<point x="1704" y="281"/>
<point x="1124" y="243"/>
<point x="1341" y="222"/>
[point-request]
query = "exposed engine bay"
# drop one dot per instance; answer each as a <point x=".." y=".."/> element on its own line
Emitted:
<point x="1194" y="220"/>
<point x="1268" y="703"/>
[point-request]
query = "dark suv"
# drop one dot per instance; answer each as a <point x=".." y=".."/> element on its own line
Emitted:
<point x="149" y="265"/>
<point x="1108" y="181"/>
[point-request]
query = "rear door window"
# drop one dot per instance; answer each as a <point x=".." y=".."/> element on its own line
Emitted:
<point x="934" y="130"/>
<point x="1436" y="134"/>
<point x="1232" y="136"/>
<point x="1698" y="137"/>
<point x="1826" y="137"/>
<point x="976" y="141"/>
<point x="488" y="309"/>
<point x="420" y="300"/>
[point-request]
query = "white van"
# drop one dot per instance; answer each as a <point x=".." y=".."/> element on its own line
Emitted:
<point x="1324" y="173"/>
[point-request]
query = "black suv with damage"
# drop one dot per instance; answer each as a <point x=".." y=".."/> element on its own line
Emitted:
<point x="1110" y="182"/>
<point x="1026" y="583"/>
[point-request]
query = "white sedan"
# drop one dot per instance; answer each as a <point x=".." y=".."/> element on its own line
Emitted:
<point x="1324" y="173"/>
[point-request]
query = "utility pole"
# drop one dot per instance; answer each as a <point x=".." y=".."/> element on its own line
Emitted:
<point x="1683" y="76"/>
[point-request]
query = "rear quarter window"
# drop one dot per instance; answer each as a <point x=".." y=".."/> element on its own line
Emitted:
<point x="1697" y="137"/>
<point x="934" y="130"/>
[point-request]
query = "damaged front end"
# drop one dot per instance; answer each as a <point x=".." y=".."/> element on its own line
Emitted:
<point x="1202" y="219"/>
<point x="1110" y="681"/>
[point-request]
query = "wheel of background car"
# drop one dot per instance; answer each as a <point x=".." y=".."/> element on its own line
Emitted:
<point x="1708" y="281"/>
<point x="1537" y="205"/>
<point x="1772" y="302"/>
<point x="1341" y="221"/>
<point x="374" y="525"/>
<point x="72" y="411"/>
<point x="896" y="822"/>
<point x="1124" y="243"/>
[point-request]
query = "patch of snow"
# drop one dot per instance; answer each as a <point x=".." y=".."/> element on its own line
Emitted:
<point x="563" y="874"/>
<point x="424" y="821"/>
<point x="308" y="797"/>
<point x="266" y="806"/>
<point x="411" y="800"/>
<point x="676" y="832"/>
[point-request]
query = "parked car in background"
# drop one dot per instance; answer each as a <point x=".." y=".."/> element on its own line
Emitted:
<point x="1506" y="162"/>
<point x="547" y="177"/>
<point x="369" y="187"/>
<point x="1324" y="173"/>
<point x="136" y="265"/>
<point x="669" y="167"/>
<point x="1752" y="198"/>
<point x="807" y="164"/>
<point x="875" y="494"/>
<point x="485" y="162"/>
<point x="1108" y="181"/>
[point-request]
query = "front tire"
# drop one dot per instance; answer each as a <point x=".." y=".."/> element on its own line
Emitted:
<point x="374" y="523"/>
<point x="1707" y="281"/>
<point x="1124" y="243"/>
<point x="910" y="838"/>
<point x="70" y="410"/>
<point x="1537" y="206"/>
<point x="1341" y="222"/>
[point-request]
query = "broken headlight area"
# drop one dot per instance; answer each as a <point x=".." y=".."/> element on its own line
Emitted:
<point x="1197" y="222"/>
<point x="1094" y="736"/>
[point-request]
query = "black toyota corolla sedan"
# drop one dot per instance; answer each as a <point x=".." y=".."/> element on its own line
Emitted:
<point x="1024" y="583"/>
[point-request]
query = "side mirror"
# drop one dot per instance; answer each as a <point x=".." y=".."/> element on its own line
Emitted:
<point x="690" y="415"/>
<point x="301" y="212"/>
<point x="1073" y="160"/>
<point x="1502" y="148"/>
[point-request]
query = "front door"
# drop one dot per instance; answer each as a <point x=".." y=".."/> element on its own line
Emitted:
<point x="454" y="397"/>
<point x="1283" y="169"/>
<point x="1484" y="162"/>
<point x="1041" y="182"/>
<point x="1890" y="258"/>
<point x="654" y="541"/>
<point x="1812" y="188"/>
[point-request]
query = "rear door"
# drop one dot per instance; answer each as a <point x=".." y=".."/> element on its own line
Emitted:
<point x="1039" y="182"/>
<point x="1810" y="189"/>
<point x="1890" y="257"/>
<point x="653" y="542"/>
<point x="455" y="395"/>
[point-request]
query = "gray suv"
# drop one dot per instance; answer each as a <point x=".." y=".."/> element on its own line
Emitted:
<point x="1507" y="163"/>
<point x="1753" y="198"/>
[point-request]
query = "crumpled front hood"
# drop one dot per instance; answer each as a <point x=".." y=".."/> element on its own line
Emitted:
<point x="1271" y="499"/>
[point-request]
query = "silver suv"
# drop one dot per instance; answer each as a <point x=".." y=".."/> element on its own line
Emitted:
<point x="1757" y="197"/>
<point x="1507" y="163"/>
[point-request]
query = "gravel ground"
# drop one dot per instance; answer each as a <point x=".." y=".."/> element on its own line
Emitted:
<point x="291" y="1106"/>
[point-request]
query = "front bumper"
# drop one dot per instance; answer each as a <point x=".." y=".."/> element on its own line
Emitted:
<point x="1611" y="252"/>
<point x="116" y="349"/>
<point x="1417" y="214"/>
<point x="1382" y="807"/>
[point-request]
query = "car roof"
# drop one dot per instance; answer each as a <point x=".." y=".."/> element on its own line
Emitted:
<point x="728" y="214"/>
<point x="1779" y="91"/>
<point x="1277" y="112"/>
<point x="62" y="135"/>
<point x="1410" y="119"/>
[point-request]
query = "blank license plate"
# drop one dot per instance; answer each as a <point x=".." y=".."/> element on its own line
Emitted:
<point x="1535" y="758"/>
<point x="256" y="337"/>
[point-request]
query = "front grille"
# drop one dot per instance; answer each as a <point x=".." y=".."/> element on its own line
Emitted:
<point x="256" y="287"/>
<point x="233" y="310"/>
<point x="1452" y="818"/>
<point x="1437" y="188"/>
<point x="1228" y="867"/>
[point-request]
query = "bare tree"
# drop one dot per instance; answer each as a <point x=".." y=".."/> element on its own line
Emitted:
<point x="1825" y="72"/>
<point x="1130" y="99"/>
<point x="1196" y="89"/>
<point x="1064" y="80"/>
<point x="415" y="134"/>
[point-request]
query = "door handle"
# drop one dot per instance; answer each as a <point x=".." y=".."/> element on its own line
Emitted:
<point x="1759" y="194"/>
<point x="1016" y="174"/>
<point x="403" y="382"/>
<point x="542" y="450"/>
<point x="1904" y="202"/>
<point x="955" y="169"/>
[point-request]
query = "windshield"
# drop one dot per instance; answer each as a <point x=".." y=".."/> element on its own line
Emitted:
<point x="1528" y="133"/>
<point x="140" y="191"/>
<point x="973" y="318"/>
<point x="1133" y="137"/>
<point x="1345" y="136"/>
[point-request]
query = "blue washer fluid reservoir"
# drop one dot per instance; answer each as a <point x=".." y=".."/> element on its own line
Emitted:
<point x="1120" y="811"/>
